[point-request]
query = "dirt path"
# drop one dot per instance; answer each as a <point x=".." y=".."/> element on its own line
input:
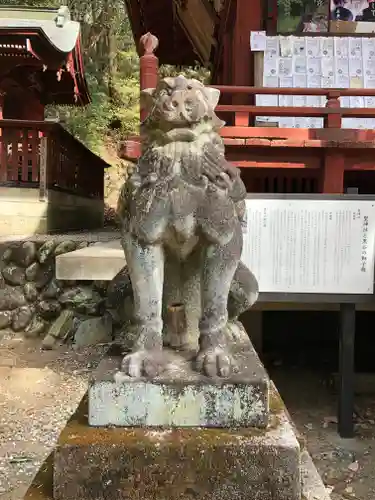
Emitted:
<point x="39" y="390"/>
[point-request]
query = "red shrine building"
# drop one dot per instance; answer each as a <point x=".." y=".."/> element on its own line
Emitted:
<point x="298" y="99"/>
<point x="285" y="154"/>
<point x="49" y="181"/>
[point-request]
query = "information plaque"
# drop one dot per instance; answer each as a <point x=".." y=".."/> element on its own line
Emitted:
<point x="311" y="246"/>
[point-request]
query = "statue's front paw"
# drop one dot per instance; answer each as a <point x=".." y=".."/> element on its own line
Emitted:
<point x="143" y="363"/>
<point x="215" y="362"/>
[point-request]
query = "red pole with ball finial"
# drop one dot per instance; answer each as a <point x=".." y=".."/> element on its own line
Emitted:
<point x="148" y="65"/>
<point x="148" y="77"/>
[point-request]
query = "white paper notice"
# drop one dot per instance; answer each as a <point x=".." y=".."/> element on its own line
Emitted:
<point x="301" y="122"/>
<point x="299" y="46"/>
<point x="314" y="101"/>
<point x="345" y="102"/>
<point x="341" y="45"/>
<point x="327" y="46"/>
<point x="316" y="122"/>
<point x="369" y="67"/>
<point x="286" y="46"/>
<point x="286" y="100"/>
<point x="299" y="101"/>
<point x="342" y="66"/>
<point x="357" y="102"/>
<point x="270" y="67"/>
<point x="328" y="67"/>
<point x="267" y="100"/>
<point x="355" y="68"/>
<point x="355" y="48"/>
<point x="299" y="81"/>
<point x="272" y="46"/>
<point x="370" y="103"/>
<point x="342" y="81"/>
<point x="313" y="48"/>
<point x="370" y="82"/>
<point x="314" y="81"/>
<point x="286" y="122"/>
<point x="299" y="65"/>
<point x="328" y="82"/>
<point x="349" y="123"/>
<point x="286" y="82"/>
<point x="314" y="66"/>
<point x="258" y="41"/>
<point x="368" y="48"/>
<point x="271" y="82"/>
<point x="311" y="246"/>
<point x="285" y="66"/>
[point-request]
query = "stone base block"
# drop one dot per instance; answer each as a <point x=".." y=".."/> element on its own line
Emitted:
<point x="181" y="397"/>
<point x="70" y="443"/>
<point x="170" y="464"/>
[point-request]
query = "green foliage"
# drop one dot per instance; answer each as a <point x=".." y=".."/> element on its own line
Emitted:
<point x="289" y="7"/>
<point x="112" y="73"/>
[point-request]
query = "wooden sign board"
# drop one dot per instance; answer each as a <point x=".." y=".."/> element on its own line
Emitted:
<point x="314" y="246"/>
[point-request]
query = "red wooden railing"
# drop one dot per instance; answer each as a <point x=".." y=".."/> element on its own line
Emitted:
<point x="43" y="154"/>
<point x="333" y="151"/>
<point x="241" y="114"/>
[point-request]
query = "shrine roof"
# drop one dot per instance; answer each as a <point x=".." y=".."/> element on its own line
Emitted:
<point x="185" y="28"/>
<point x="49" y="43"/>
<point x="55" y="24"/>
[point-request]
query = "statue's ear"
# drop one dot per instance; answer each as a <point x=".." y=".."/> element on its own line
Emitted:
<point x="147" y="99"/>
<point x="169" y="81"/>
<point x="213" y="96"/>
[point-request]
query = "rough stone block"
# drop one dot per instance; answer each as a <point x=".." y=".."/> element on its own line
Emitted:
<point x="312" y="485"/>
<point x="180" y="397"/>
<point x="159" y="464"/>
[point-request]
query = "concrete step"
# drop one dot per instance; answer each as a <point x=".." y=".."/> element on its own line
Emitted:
<point x="101" y="261"/>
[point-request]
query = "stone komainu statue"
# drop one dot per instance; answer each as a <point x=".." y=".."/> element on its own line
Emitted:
<point x="181" y="211"/>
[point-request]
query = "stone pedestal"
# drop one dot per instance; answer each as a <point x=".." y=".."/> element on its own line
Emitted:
<point x="181" y="397"/>
<point x="69" y="472"/>
<point x="170" y="464"/>
<point x="179" y="436"/>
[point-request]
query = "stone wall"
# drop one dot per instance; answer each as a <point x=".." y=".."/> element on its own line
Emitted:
<point x="34" y="302"/>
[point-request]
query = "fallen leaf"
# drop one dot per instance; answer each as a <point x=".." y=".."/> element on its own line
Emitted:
<point x="354" y="466"/>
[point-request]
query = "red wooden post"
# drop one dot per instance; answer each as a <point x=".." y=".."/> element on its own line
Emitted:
<point x="247" y="19"/>
<point x="148" y="65"/>
<point x="2" y="99"/>
<point x="334" y="162"/>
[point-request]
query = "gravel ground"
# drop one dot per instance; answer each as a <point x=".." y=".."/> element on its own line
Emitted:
<point x="39" y="390"/>
<point x="345" y="465"/>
